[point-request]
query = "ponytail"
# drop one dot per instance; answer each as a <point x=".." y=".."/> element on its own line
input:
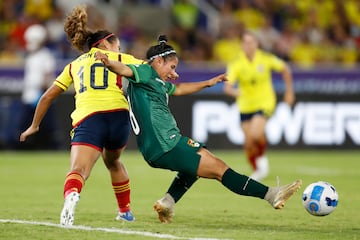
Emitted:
<point x="162" y="49"/>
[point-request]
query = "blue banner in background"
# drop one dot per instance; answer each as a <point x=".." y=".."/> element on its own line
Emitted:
<point x="11" y="80"/>
<point x="336" y="81"/>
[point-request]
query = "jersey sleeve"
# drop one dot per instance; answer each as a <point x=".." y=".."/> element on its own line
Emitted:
<point x="170" y="88"/>
<point x="64" y="80"/>
<point x="142" y="73"/>
<point x="276" y="63"/>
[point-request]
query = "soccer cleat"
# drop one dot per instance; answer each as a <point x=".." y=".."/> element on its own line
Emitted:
<point x="68" y="211"/>
<point x="165" y="208"/>
<point x="277" y="196"/>
<point x="125" y="216"/>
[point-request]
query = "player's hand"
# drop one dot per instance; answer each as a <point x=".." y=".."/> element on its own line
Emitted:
<point x="30" y="131"/>
<point x="217" y="79"/>
<point x="102" y="57"/>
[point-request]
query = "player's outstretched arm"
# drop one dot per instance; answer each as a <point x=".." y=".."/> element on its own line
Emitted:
<point x="44" y="103"/>
<point x="289" y="95"/>
<point x="114" y="66"/>
<point x="193" y="87"/>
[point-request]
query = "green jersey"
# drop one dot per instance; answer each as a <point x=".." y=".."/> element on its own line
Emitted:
<point x="152" y="122"/>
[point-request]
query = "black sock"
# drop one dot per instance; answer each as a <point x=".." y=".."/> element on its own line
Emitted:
<point x="243" y="185"/>
<point x="181" y="183"/>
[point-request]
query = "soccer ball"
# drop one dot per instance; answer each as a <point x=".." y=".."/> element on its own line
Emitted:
<point x="320" y="198"/>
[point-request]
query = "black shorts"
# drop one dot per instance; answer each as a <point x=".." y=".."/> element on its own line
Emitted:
<point x="247" y="116"/>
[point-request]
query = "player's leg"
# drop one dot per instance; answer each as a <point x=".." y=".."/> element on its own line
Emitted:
<point x="119" y="129"/>
<point x="180" y="185"/>
<point x="212" y="167"/>
<point x="249" y="144"/>
<point x="86" y="148"/>
<point x="256" y="132"/>
<point x="82" y="158"/>
<point x="120" y="183"/>
<point x="198" y="161"/>
<point x="206" y="165"/>
<point x="184" y="159"/>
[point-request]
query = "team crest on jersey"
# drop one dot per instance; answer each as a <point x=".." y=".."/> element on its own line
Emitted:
<point x="260" y="68"/>
<point x="193" y="143"/>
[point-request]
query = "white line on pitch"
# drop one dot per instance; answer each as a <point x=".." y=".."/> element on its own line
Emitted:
<point x="111" y="230"/>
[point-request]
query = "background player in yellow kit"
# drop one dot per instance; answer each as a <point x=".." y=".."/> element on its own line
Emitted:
<point x="101" y="118"/>
<point x="250" y="82"/>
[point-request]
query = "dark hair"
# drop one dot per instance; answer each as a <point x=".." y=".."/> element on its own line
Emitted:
<point x="79" y="35"/>
<point x="94" y="39"/>
<point x="160" y="50"/>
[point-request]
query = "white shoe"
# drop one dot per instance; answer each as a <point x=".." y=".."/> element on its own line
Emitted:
<point x="165" y="208"/>
<point x="68" y="211"/>
<point x="277" y="196"/>
<point x="262" y="168"/>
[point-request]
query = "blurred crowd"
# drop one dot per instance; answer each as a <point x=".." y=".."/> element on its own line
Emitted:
<point x="305" y="33"/>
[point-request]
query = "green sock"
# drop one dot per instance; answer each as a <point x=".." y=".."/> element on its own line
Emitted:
<point x="243" y="185"/>
<point x="181" y="183"/>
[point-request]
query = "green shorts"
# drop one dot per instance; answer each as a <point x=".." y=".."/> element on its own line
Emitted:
<point x="182" y="158"/>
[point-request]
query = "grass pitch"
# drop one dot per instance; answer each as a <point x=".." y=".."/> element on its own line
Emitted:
<point x="31" y="185"/>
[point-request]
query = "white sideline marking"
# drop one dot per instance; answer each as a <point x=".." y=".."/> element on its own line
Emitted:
<point x="111" y="230"/>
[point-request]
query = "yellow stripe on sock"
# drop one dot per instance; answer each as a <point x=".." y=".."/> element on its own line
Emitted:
<point x="122" y="188"/>
<point x="75" y="176"/>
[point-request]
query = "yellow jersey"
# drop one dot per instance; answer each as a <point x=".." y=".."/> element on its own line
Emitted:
<point x="254" y="81"/>
<point x="96" y="88"/>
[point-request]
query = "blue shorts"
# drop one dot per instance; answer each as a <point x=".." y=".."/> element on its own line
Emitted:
<point x="109" y="130"/>
<point x="247" y="116"/>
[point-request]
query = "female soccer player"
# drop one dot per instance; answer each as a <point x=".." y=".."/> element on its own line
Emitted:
<point x="159" y="138"/>
<point x="101" y="118"/>
<point x="250" y="83"/>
